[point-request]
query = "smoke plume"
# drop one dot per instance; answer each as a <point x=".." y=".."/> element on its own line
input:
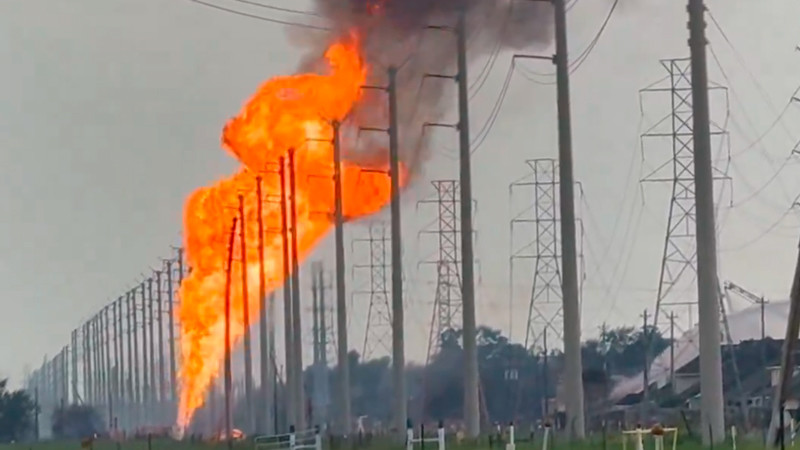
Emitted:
<point x="409" y="34"/>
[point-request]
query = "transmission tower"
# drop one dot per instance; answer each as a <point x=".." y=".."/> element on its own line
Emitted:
<point x="447" y="300"/>
<point x="677" y="289"/>
<point x="535" y="237"/>
<point x="378" y="333"/>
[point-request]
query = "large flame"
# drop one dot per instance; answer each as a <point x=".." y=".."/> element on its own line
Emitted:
<point x="286" y="112"/>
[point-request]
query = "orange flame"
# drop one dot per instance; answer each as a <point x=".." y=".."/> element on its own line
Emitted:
<point x="286" y="112"/>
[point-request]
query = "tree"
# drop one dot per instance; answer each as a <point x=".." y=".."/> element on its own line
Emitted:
<point x="76" y="422"/>
<point x="16" y="413"/>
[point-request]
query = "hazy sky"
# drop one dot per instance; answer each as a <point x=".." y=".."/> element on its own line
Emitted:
<point x="111" y="111"/>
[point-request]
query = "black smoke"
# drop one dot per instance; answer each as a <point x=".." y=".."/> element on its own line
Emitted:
<point x="418" y="37"/>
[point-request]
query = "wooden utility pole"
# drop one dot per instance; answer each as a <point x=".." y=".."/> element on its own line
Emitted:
<point x="248" y="353"/>
<point x="787" y="359"/>
<point x="287" y="301"/>
<point x="228" y="374"/>
<point x="573" y="370"/>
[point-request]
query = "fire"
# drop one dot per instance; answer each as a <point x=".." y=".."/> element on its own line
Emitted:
<point x="293" y="112"/>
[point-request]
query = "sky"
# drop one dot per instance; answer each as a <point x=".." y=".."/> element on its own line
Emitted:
<point x="111" y="113"/>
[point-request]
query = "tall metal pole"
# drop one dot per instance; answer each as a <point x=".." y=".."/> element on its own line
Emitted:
<point x="323" y="357"/>
<point x="573" y="383"/>
<point x="118" y="391"/>
<point x="316" y="332"/>
<point x="74" y="364"/>
<point x="400" y="409"/>
<point x="546" y="376"/>
<point x="131" y="403"/>
<point x="109" y="370"/>
<point x="228" y="381"/>
<point x="86" y="366"/>
<point x="287" y="299"/>
<point x="672" y="350"/>
<point x="300" y="421"/>
<point x="162" y="368"/>
<point x="248" y="353"/>
<point x="264" y="420"/>
<point x="145" y="404"/>
<point x="471" y="410"/>
<point x="152" y="353"/>
<point x="711" y="404"/>
<point x="345" y="416"/>
<point x="137" y="388"/>
<point x="173" y="385"/>
<point x="787" y="360"/>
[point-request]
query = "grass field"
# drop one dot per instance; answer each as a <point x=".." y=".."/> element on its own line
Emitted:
<point x="612" y="442"/>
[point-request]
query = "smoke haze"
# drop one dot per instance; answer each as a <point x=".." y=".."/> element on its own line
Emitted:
<point x="398" y="33"/>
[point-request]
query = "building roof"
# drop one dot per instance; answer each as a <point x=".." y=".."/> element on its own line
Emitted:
<point x="744" y="325"/>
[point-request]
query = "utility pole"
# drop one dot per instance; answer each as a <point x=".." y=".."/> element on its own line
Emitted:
<point x="152" y="353"/>
<point x="787" y="360"/>
<point x="300" y="421"/>
<point x="341" y="291"/>
<point x="645" y="366"/>
<point x="573" y="383"/>
<point x="145" y="405"/>
<point x="471" y="409"/>
<point x="137" y="391"/>
<point x="87" y="365"/>
<point x="74" y="363"/>
<point x="265" y="373"/>
<point x="672" y="351"/>
<point x="287" y="300"/>
<point x="398" y="320"/>
<point x="109" y="370"/>
<point x="228" y="374"/>
<point x="248" y="353"/>
<point x="131" y="403"/>
<point x="316" y="403"/>
<point x="546" y="378"/>
<point x="712" y="418"/>
<point x="173" y="392"/>
<point x="117" y="317"/>
<point x="162" y="392"/>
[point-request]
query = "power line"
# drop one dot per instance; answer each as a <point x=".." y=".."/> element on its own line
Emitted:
<point x="742" y="62"/>
<point x="257" y="17"/>
<point x="763" y="234"/>
<point x="481" y="136"/>
<point x="575" y="65"/>
<point x="278" y="8"/>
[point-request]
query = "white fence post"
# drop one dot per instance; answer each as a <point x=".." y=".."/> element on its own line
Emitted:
<point x="409" y="436"/>
<point x="511" y="438"/>
<point x="441" y="435"/>
<point x="546" y="438"/>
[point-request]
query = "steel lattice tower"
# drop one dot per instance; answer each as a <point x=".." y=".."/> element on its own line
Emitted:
<point x="378" y="332"/>
<point x="677" y="289"/>
<point x="447" y="301"/>
<point x="539" y="222"/>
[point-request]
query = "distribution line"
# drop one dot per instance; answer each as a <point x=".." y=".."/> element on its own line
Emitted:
<point x="262" y="18"/>
<point x="278" y="8"/>
<point x="575" y="65"/>
<point x="741" y="61"/>
<point x="761" y="235"/>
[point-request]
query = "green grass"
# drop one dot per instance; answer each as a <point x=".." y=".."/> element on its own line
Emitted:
<point x="612" y="442"/>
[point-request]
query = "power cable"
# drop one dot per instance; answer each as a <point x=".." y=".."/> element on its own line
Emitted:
<point x="575" y="65"/>
<point x="742" y="62"/>
<point x="262" y="18"/>
<point x="481" y="136"/>
<point x="761" y="235"/>
<point x="763" y="151"/>
<point x="278" y="8"/>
